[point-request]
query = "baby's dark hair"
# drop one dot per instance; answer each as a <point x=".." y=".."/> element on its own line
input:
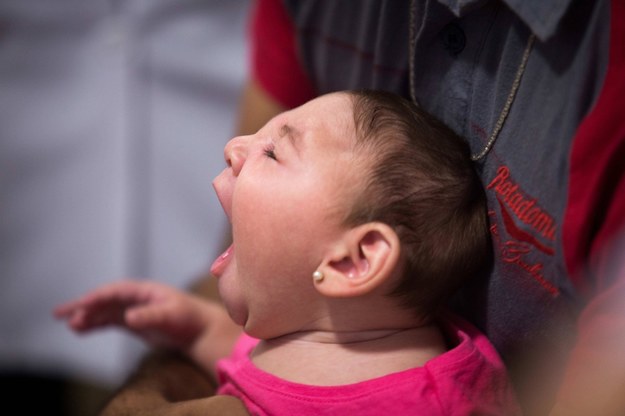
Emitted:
<point x="422" y="183"/>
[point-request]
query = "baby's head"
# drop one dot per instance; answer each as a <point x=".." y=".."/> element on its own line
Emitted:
<point x="422" y="183"/>
<point x="366" y="189"/>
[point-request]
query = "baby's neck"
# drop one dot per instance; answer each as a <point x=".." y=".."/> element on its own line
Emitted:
<point x="326" y="358"/>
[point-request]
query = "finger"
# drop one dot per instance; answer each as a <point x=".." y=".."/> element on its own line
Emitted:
<point x="148" y="316"/>
<point x="123" y="292"/>
<point x="78" y="321"/>
<point x="66" y="309"/>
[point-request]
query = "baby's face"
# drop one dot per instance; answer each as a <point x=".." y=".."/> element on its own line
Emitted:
<point x="285" y="191"/>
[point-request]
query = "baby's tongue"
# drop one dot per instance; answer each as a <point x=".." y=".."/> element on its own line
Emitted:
<point x="220" y="263"/>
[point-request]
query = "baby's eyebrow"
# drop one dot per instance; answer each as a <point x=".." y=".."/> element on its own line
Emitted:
<point x="292" y="134"/>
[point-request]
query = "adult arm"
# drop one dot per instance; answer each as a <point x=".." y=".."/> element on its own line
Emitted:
<point x="595" y="242"/>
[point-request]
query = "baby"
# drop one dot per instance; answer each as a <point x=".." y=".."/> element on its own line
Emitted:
<point x="354" y="218"/>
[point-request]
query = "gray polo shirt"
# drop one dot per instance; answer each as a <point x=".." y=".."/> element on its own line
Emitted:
<point x="461" y="66"/>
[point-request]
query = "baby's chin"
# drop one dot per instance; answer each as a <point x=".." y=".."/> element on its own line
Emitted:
<point x="239" y="318"/>
<point x="237" y="312"/>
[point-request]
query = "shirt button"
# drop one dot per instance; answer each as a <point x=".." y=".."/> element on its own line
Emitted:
<point x="453" y="38"/>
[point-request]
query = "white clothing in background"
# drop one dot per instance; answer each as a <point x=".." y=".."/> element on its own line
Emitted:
<point x="113" y="118"/>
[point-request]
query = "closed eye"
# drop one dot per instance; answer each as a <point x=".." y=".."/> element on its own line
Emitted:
<point x="270" y="152"/>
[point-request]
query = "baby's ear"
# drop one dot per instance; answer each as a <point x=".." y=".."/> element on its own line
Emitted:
<point x="364" y="258"/>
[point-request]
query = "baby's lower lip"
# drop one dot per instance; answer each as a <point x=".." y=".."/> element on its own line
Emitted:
<point x="220" y="263"/>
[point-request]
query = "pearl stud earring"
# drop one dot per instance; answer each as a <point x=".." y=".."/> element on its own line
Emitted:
<point x="318" y="276"/>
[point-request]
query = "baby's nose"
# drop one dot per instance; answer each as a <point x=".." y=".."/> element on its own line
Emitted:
<point x="235" y="153"/>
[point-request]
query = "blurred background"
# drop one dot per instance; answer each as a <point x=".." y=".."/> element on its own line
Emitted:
<point x="113" y="118"/>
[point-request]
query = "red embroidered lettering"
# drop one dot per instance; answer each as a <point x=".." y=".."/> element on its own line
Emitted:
<point x="514" y="252"/>
<point x="511" y="251"/>
<point x="524" y="208"/>
<point x="502" y="175"/>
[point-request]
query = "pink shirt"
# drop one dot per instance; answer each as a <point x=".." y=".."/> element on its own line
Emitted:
<point x="468" y="379"/>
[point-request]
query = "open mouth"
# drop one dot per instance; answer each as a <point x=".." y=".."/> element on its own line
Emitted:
<point x="224" y="194"/>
